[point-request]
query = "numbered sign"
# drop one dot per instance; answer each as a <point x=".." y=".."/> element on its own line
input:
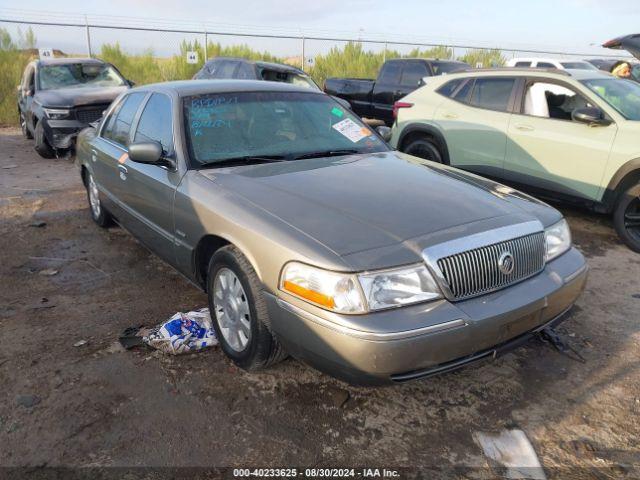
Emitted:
<point x="192" y="57"/>
<point x="45" y="53"/>
<point x="310" y="61"/>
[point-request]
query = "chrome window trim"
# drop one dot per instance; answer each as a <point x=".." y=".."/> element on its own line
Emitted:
<point x="432" y="254"/>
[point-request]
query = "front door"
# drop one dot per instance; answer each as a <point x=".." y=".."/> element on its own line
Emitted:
<point x="108" y="151"/>
<point x="147" y="191"/>
<point x="548" y="150"/>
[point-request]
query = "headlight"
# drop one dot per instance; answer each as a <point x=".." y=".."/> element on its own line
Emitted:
<point x="359" y="293"/>
<point x="557" y="239"/>
<point x="56" y="113"/>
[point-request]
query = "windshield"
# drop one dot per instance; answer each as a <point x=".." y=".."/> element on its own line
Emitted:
<point x="578" y="66"/>
<point x="78" y="75"/>
<point x="623" y="95"/>
<point x="293" y="78"/>
<point x="222" y="126"/>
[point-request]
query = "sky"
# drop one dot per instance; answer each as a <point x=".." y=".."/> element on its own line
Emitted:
<point x="565" y="25"/>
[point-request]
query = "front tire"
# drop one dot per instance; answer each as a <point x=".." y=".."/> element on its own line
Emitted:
<point x="626" y="217"/>
<point x="424" y="147"/>
<point x="42" y="146"/>
<point x="239" y="312"/>
<point x="98" y="213"/>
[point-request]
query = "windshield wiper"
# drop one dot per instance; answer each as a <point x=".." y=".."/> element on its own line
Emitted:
<point x="326" y="153"/>
<point x="244" y="160"/>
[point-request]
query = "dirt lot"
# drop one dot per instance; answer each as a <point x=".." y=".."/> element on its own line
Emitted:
<point x="96" y="405"/>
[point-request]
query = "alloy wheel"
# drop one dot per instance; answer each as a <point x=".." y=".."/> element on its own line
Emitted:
<point x="232" y="309"/>
<point x="632" y="219"/>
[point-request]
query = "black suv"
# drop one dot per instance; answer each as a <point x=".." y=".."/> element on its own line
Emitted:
<point x="59" y="97"/>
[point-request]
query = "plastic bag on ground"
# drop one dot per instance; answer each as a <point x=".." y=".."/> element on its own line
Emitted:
<point x="183" y="333"/>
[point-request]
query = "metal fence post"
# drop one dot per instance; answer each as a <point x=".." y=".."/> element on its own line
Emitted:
<point x="206" y="41"/>
<point x="302" y="61"/>
<point x="384" y="55"/>
<point x="86" y="23"/>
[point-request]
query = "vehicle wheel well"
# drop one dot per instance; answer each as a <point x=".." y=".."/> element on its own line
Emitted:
<point x="417" y="134"/>
<point x="83" y="175"/>
<point x="629" y="179"/>
<point x="207" y="246"/>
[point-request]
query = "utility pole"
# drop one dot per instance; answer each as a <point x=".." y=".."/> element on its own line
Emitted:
<point x="86" y="23"/>
<point x="206" y="41"/>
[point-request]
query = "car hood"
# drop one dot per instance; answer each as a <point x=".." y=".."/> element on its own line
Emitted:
<point x="75" y="97"/>
<point x="630" y="43"/>
<point x="361" y="202"/>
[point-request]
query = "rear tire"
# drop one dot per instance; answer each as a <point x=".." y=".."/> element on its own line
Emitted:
<point x="98" y="213"/>
<point x="25" y="129"/>
<point x="425" y="148"/>
<point x="626" y="217"/>
<point x="239" y="312"/>
<point x="42" y="146"/>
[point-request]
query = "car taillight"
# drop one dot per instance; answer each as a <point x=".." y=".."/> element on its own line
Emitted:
<point x="398" y="105"/>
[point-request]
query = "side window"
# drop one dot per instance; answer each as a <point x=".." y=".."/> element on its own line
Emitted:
<point x="412" y="74"/>
<point x="550" y="100"/>
<point x="245" y="71"/>
<point x="545" y="65"/>
<point x="119" y="126"/>
<point x="492" y="93"/>
<point x="155" y="123"/>
<point x="462" y="95"/>
<point x="28" y="79"/>
<point x="390" y="73"/>
<point x="449" y="88"/>
<point x="522" y="64"/>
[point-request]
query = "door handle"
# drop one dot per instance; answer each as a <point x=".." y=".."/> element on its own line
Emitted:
<point x="524" y="128"/>
<point x="94" y="156"/>
<point x="450" y="115"/>
<point x="123" y="172"/>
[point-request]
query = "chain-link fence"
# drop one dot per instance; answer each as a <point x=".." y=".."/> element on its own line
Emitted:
<point x="151" y="51"/>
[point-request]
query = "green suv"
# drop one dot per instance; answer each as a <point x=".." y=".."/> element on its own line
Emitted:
<point x="571" y="135"/>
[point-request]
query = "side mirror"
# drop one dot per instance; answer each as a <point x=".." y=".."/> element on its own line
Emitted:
<point x="384" y="132"/>
<point x="423" y="81"/>
<point x="130" y="83"/>
<point x="150" y="153"/>
<point x="590" y="116"/>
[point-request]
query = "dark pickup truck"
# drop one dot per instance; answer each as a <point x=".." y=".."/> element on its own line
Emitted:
<point x="397" y="78"/>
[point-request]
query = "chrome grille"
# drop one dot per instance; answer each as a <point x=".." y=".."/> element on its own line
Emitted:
<point x="475" y="272"/>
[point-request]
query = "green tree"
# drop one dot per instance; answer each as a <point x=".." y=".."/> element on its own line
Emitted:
<point x="488" y="58"/>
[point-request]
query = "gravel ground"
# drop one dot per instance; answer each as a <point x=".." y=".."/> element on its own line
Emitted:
<point x="97" y="405"/>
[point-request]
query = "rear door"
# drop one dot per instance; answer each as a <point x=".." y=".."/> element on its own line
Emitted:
<point x="474" y="120"/>
<point x="147" y="191"/>
<point x="548" y="150"/>
<point x="27" y="90"/>
<point x="109" y="151"/>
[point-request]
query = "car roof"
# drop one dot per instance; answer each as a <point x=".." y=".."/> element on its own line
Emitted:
<point x="531" y="72"/>
<point x="69" y="60"/>
<point x="186" y="88"/>
<point x="427" y="60"/>
<point x="283" y="67"/>
<point x="546" y="59"/>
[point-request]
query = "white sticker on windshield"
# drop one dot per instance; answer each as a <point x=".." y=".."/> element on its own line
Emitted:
<point x="352" y="130"/>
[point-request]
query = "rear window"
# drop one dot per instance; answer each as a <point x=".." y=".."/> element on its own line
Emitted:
<point x="492" y="93"/>
<point x="522" y="64"/>
<point x="578" y="65"/>
<point x="390" y="73"/>
<point x="545" y="65"/>
<point x="448" y="88"/>
<point x="442" y="68"/>
<point x="413" y="73"/>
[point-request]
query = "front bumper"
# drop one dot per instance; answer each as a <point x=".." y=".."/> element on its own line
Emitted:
<point x="61" y="134"/>
<point x="420" y="340"/>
